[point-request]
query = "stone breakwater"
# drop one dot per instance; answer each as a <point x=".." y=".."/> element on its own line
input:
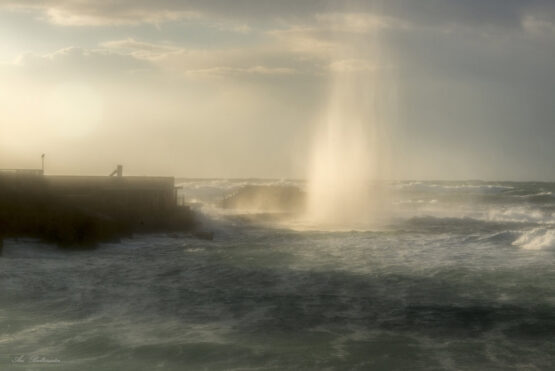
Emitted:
<point x="83" y="211"/>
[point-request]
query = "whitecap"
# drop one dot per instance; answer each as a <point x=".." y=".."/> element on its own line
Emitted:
<point x="537" y="239"/>
<point x="519" y="214"/>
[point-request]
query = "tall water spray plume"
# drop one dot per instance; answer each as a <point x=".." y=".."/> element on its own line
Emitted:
<point x="350" y="157"/>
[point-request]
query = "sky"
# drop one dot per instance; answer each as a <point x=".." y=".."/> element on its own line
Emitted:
<point x="216" y="88"/>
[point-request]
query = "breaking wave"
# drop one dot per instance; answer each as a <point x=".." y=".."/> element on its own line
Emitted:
<point x="537" y="239"/>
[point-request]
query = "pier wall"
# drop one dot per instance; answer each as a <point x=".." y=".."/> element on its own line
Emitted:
<point x="78" y="210"/>
<point x="133" y="194"/>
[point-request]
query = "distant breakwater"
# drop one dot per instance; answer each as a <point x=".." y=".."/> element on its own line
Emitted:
<point x="80" y="212"/>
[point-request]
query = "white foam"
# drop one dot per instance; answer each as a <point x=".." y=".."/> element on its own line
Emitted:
<point x="435" y="187"/>
<point x="537" y="239"/>
<point x="520" y="214"/>
<point x="533" y="195"/>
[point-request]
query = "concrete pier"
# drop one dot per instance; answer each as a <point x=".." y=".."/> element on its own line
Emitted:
<point x="76" y="210"/>
<point x="144" y="194"/>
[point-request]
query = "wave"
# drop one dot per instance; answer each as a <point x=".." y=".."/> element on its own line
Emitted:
<point x="415" y="201"/>
<point x="517" y="206"/>
<point x="520" y="214"/>
<point x="215" y="190"/>
<point x="423" y="186"/>
<point x="514" y="214"/>
<point x="231" y="184"/>
<point x="537" y="239"/>
<point x="539" y="194"/>
<point x="502" y="236"/>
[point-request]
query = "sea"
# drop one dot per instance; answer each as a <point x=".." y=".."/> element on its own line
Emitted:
<point x="459" y="276"/>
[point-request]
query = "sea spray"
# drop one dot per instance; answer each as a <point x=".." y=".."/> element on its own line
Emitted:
<point x="350" y="156"/>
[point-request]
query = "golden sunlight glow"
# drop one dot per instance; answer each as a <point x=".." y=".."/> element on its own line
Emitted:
<point x="73" y="110"/>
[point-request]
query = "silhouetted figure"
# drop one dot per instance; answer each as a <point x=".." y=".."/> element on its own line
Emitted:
<point x="118" y="172"/>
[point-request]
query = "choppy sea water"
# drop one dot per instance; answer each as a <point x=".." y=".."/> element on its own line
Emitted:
<point x="462" y="278"/>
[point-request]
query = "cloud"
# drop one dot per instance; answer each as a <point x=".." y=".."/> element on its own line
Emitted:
<point x="305" y="40"/>
<point x="310" y="38"/>
<point x="95" y="13"/>
<point x="353" y="65"/>
<point x="141" y="49"/>
<point x="223" y="71"/>
<point x="362" y="22"/>
<point x="74" y="62"/>
<point x="66" y="17"/>
<point x="130" y="57"/>
<point x="230" y="63"/>
<point x="437" y="13"/>
<point x="538" y="25"/>
<point x="130" y="12"/>
<point x="268" y="59"/>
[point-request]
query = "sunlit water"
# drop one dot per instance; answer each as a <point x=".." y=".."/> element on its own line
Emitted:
<point x="461" y="278"/>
